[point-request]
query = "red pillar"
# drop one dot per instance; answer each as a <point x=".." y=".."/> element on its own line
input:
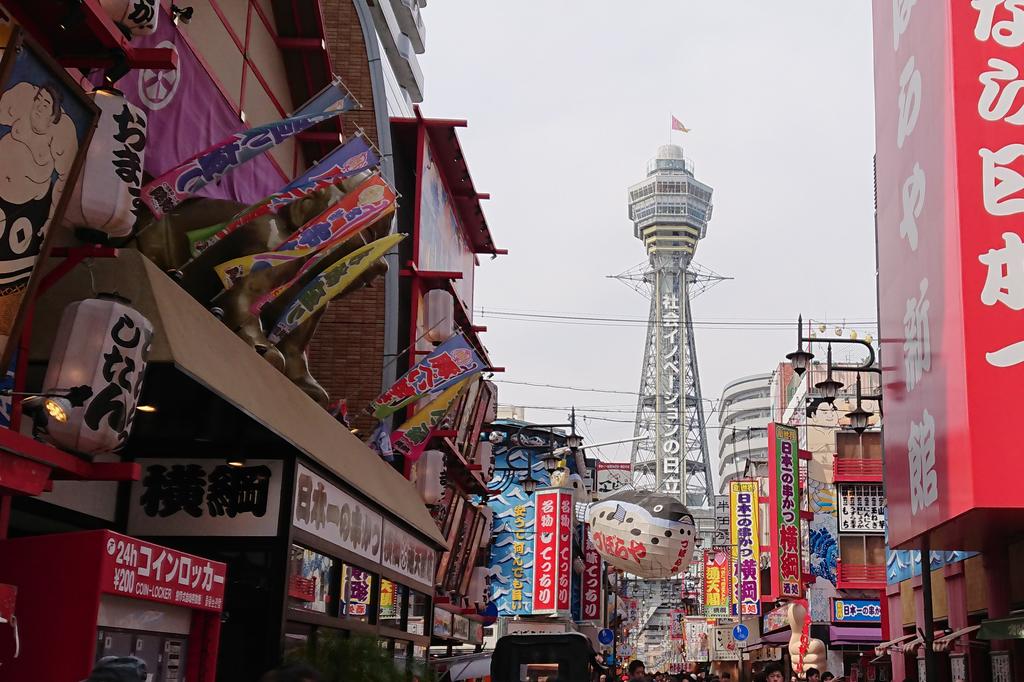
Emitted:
<point x="996" y="561"/>
<point x="895" y="630"/>
<point x="956" y="599"/>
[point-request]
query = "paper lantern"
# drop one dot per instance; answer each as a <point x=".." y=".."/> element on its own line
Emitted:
<point x="429" y="471"/>
<point x="485" y="537"/>
<point x="477" y="592"/>
<point x="650" y="535"/>
<point x="139" y="17"/>
<point x="485" y="458"/>
<point x="438" y="316"/>
<point x="105" y="200"/>
<point x="101" y="343"/>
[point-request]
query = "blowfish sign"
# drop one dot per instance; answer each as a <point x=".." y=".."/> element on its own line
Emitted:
<point x="451" y="362"/>
<point x="552" y="552"/>
<point x="784" y="489"/>
<point x="746" y="546"/>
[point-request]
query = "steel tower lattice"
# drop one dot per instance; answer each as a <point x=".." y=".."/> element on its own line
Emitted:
<point x="670" y="210"/>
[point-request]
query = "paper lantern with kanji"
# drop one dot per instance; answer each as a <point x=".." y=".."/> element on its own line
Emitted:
<point x="477" y="592"/>
<point x="101" y="343"/>
<point x="650" y="535"/>
<point x="138" y="17"/>
<point x="105" y="201"/>
<point x="430" y="476"/>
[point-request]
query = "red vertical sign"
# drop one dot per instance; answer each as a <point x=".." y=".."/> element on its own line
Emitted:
<point x="545" y="561"/>
<point x="565" y="514"/>
<point x="591" y="594"/>
<point x="950" y="191"/>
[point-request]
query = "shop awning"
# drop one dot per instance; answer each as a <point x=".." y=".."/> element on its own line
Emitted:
<point x="1002" y="628"/>
<point x="773" y="638"/>
<point x="883" y="648"/>
<point x="947" y="641"/>
<point x="191" y="338"/>
<point x="847" y="636"/>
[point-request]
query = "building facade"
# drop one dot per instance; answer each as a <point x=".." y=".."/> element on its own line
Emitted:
<point x="744" y="412"/>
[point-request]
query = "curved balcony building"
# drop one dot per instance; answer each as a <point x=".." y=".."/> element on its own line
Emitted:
<point x="744" y="413"/>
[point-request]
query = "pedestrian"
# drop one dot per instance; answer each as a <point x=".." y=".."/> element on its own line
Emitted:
<point x="636" y="670"/>
<point x="813" y="675"/>
<point x="774" y="673"/>
<point x="118" y="669"/>
<point x="292" y="672"/>
<point x="827" y="677"/>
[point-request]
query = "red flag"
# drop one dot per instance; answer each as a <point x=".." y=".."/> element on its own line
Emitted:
<point x="678" y="125"/>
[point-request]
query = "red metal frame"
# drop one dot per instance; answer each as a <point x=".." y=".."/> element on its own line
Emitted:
<point x="857" y="470"/>
<point x="860" y="576"/>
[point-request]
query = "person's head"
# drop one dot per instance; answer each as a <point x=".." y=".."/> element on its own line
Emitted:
<point x="813" y="675"/>
<point x="773" y="673"/>
<point x="295" y="672"/>
<point x="637" y="670"/>
<point x="45" y="107"/>
<point x="826" y="677"/>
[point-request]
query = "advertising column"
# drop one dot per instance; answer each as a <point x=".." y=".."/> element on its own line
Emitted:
<point x="552" y="552"/>
<point x="784" y="496"/>
<point x="746" y="547"/>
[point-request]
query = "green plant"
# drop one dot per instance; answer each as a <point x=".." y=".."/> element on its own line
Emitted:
<point x="357" y="658"/>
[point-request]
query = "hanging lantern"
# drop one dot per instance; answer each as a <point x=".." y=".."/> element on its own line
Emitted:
<point x="650" y="535"/>
<point x="485" y="458"/>
<point x="429" y="476"/>
<point x="105" y="201"/>
<point x="485" y="537"/>
<point x="438" y="316"/>
<point x="101" y="343"/>
<point x="477" y="592"/>
<point x="138" y="17"/>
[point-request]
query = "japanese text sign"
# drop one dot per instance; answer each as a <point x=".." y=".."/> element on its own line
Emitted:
<point x="784" y="495"/>
<point x="450" y="362"/>
<point x="717" y="583"/>
<point x="856" y="611"/>
<point x="142" y="570"/>
<point x="950" y="191"/>
<point x="408" y="556"/>
<point x="327" y="512"/>
<point x="746" y="546"/>
<point x="591" y="589"/>
<point x="676" y="624"/>
<point x="552" y="551"/>
<point x="205" y="497"/>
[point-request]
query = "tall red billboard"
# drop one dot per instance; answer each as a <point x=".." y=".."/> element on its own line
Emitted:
<point x="590" y="598"/>
<point x="552" y="572"/>
<point x="948" y="97"/>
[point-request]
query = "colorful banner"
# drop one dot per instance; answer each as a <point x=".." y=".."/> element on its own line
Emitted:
<point x="591" y="590"/>
<point x="360" y="208"/>
<point x="784" y="493"/>
<point x="677" y="624"/>
<point x="328" y="284"/>
<point x="355" y="156"/>
<point x="746" y="546"/>
<point x="450" y="362"/>
<point x="411" y="438"/>
<point x="717" y="583"/>
<point x="856" y="611"/>
<point x="552" y="551"/>
<point x="698" y="646"/>
<point x="185" y="179"/>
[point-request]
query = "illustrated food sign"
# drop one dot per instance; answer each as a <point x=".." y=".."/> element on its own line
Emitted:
<point x="552" y="551"/>
<point x="717" y="583"/>
<point x="950" y="199"/>
<point x="612" y="477"/>
<point x="784" y="491"/>
<point x="856" y="611"/>
<point x="746" y="547"/>
<point x="591" y="588"/>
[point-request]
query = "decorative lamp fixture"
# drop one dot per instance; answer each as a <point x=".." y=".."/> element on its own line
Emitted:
<point x="149" y="409"/>
<point x="800" y="358"/>
<point x="530" y="485"/>
<point x="430" y="475"/>
<point x="134" y="17"/>
<point x="103" y="342"/>
<point x="439" y="315"/>
<point x="551" y="461"/>
<point x="859" y="417"/>
<point x="236" y="461"/>
<point x="57" y="409"/>
<point x="829" y="388"/>
<point x="573" y="441"/>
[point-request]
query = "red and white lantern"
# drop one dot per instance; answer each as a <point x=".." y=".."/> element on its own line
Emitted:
<point x="429" y="475"/>
<point x="439" y="315"/>
<point x="101" y="343"/>
<point x="477" y="592"/>
<point x="139" y="17"/>
<point x="105" y="199"/>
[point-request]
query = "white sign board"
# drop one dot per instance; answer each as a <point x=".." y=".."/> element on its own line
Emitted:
<point x="613" y="477"/>
<point x="725" y="648"/>
<point x="528" y="627"/>
<point x="861" y="508"/>
<point x="205" y="497"/>
<point x="329" y="513"/>
<point x="408" y="556"/>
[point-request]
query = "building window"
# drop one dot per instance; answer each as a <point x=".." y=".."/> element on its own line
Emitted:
<point x="862" y="550"/>
<point x="312" y="581"/>
<point x="419" y="605"/>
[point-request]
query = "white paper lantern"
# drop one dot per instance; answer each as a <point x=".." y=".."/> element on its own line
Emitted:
<point x="101" y="343"/>
<point x="429" y="469"/>
<point x="485" y="537"/>
<point x="485" y="458"/>
<point x="140" y="17"/>
<point x="650" y="535"/>
<point x="477" y="592"/>
<point x="106" y="197"/>
<point x="439" y="315"/>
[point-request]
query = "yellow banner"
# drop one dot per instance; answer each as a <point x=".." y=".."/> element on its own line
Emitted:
<point x="744" y="503"/>
<point x="411" y="438"/>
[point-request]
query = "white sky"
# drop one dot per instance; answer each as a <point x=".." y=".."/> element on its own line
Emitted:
<point x="567" y="101"/>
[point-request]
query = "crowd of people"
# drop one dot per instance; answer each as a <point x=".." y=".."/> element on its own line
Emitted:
<point x="772" y="672"/>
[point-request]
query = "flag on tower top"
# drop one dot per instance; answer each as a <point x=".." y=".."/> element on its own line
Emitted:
<point x="678" y="125"/>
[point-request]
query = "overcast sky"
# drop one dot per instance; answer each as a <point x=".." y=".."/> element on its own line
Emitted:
<point x="567" y="101"/>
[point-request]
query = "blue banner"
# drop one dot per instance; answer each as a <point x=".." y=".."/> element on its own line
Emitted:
<point x="856" y="611"/>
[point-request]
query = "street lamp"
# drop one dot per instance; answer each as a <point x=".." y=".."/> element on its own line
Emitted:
<point x="830" y="387"/>
<point x="800" y="358"/>
<point x="530" y="485"/>
<point x="859" y="417"/>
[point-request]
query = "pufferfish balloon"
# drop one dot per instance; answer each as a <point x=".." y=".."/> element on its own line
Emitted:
<point x="647" y="534"/>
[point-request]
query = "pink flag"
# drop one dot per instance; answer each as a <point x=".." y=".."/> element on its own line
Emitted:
<point x="678" y="125"/>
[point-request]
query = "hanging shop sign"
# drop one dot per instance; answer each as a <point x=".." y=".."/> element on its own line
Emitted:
<point x="721" y="534"/>
<point x="137" y="17"/>
<point x="355" y="156"/>
<point x="142" y="570"/>
<point x="552" y="551"/>
<point x="784" y="493"/>
<point x="449" y="363"/>
<point x="698" y="643"/>
<point x="725" y="648"/>
<point x="408" y="556"/>
<point x="202" y="497"/>
<point x="646" y="534"/>
<point x="184" y="180"/>
<point x="442" y="623"/>
<point x="105" y="343"/>
<point x="861" y="508"/>
<point x="717" y="583"/>
<point x="532" y="627"/>
<point x="356" y="592"/>
<point x="856" y="610"/>
<point x="590" y="598"/>
<point x="950" y="248"/>
<point x="512" y="559"/>
<point x="460" y="627"/>
<point x="476" y="632"/>
<point x="776" y="619"/>
<point x="331" y="514"/>
<point x="411" y="438"/>
<point x="47" y="124"/>
<point x="676" y="624"/>
<point x="613" y="477"/>
<point x="746" y="546"/>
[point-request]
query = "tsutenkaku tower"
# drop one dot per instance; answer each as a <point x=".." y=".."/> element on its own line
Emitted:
<point x="670" y="210"/>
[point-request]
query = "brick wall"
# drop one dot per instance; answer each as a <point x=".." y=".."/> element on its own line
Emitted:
<point x="346" y="354"/>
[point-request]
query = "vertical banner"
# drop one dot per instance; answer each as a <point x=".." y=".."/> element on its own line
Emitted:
<point x="676" y="623"/>
<point x="784" y="511"/>
<point x="717" y="583"/>
<point x="591" y="597"/>
<point x="552" y="552"/>
<point x="746" y="546"/>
